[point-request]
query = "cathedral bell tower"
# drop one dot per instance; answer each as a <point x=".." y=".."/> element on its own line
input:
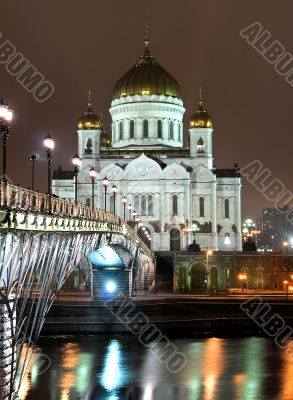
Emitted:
<point x="89" y="131"/>
<point x="200" y="136"/>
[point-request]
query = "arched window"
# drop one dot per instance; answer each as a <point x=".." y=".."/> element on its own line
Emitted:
<point x="89" y="146"/>
<point x="88" y="201"/>
<point x="136" y="203"/>
<point x="171" y="130"/>
<point x="143" y="205"/>
<point x="227" y="208"/>
<point x="120" y="130"/>
<point x="150" y="205"/>
<point x="201" y="207"/>
<point x="227" y="239"/>
<point x="200" y="145"/>
<point x="131" y="129"/>
<point x="174" y="205"/>
<point x="145" y="128"/>
<point x="159" y="129"/>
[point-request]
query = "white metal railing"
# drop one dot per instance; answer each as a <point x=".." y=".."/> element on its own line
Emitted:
<point x="17" y="198"/>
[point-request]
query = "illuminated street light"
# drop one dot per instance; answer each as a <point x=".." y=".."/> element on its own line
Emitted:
<point x="208" y="253"/>
<point x="105" y="183"/>
<point x="129" y="211"/>
<point x="33" y="158"/>
<point x="93" y="175"/>
<point x="49" y="146"/>
<point x="114" y="192"/>
<point x="6" y="115"/>
<point x="76" y="161"/>
<point x="124" y="201"/>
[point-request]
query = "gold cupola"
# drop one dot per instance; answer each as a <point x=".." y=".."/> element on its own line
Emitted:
<point x="200" y="119"/>
<point x="89" y="119"/>
<point x="146" y="77"/>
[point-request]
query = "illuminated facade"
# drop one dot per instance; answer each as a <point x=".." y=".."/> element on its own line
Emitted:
<point x="175" y="188"/>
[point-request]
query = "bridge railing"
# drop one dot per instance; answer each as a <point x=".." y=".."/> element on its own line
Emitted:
<point x="17" y="198"/>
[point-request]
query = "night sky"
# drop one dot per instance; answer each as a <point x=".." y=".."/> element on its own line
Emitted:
<point x="85" y="44"/>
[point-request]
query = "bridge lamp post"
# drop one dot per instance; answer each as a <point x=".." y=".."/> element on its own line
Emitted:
<point x="194" y="229"/>
<point x="93" y="175"/>
<point x="124" y="201"/>
<point x="49" y="146"/>
<point x="6" y="115"/>
<point x="33" y="158"/>
<point x="129" y="211"/>
<point x="134" y="214"/>
<point x="76" y="161"/>
<point x="208" y="253"/>
<point x="114" y="192"/>
<point x="105" y="183"/>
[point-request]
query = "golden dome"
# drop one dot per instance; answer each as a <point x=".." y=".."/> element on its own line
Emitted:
<point x="146" y="77"/>
<point x="89" y="120"/>
<point x="200" y="119"/>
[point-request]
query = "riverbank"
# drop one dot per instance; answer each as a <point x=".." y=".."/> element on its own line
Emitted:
<point x="176" y="315"/>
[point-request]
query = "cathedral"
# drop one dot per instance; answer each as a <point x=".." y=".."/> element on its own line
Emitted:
<point x="171" y="194"/>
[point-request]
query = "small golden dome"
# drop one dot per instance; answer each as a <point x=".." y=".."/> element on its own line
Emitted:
<point x="89" y="120"/>
<point x="200" y="119"/>
<point x="146" y="77"/>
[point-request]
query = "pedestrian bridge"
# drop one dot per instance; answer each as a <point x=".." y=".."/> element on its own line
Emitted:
<point x="43" y="239"/>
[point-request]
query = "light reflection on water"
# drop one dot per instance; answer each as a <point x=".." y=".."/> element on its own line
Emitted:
<point x="120" y="368"/>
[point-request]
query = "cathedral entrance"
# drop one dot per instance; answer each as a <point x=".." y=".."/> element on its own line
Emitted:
<point x="175" y="240"/>
<point x="198" y="277"/>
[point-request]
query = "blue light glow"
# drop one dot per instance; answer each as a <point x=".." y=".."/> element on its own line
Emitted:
<point x="110" y="286"/>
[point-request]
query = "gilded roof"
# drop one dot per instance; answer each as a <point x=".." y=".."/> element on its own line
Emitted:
<point x="200" y="119"/>
<point x="146" y="77"/>
<point x="89" y="119"/>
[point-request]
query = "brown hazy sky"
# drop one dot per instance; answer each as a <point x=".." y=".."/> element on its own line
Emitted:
<point x="91" y="43"/>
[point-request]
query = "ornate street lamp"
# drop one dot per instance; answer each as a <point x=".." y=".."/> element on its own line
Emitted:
<point x="124" y="201"/>
<point x="6" y="115"/>
<point x="105" y="183"/>
<point x="114" y="191"/>
<point x="134" y="214"/>
<point x="93" y="175"/>
<point x="33" y="158"/>
<point x="76" y="161"/>
<point x="49" y="146"/>
<point x="208" y="253"/>
<point x="194" y="229"/>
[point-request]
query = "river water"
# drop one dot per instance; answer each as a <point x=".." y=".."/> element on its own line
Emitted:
<point x="120" y="368"/>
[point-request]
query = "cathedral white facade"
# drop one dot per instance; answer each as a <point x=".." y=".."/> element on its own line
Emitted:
<point x="177" y="192"/>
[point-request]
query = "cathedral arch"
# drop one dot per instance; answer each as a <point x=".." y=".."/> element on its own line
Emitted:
<point x="89" y="146"/>
<point x="175" y="242"/>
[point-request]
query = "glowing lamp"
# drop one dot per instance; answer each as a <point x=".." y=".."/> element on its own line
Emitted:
<point x="6" y="113"/>
<point x="124" y="200"/>
<point x="110" y="286"/>
<point x="49" y="143"/>
<point x="105" y="182"/>
<point x="93" y="173"/>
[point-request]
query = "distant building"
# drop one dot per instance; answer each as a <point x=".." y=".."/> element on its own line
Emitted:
<point x="170" y="186"/>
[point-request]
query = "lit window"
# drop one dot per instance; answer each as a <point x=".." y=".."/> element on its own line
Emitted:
<point x="227" y="239"/>
<point x="201" y="207"/>
<point x="136" y="203"/>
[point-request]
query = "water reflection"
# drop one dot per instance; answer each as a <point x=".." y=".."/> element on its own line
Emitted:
<point x="101" y="368"/>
